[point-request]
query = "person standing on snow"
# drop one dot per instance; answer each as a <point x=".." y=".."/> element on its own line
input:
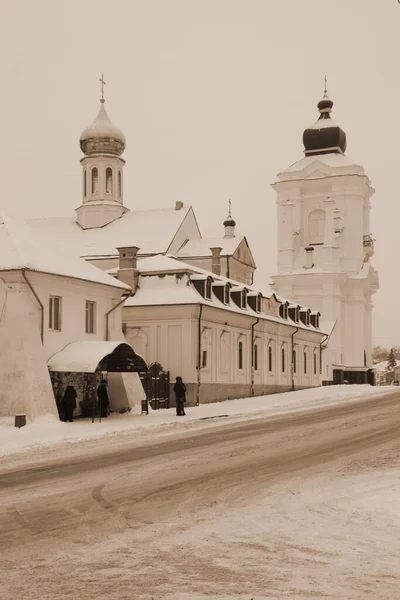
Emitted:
<point x="180" y="396"/>
<point x="102" y="395"/>
<point x="69" y="403"/>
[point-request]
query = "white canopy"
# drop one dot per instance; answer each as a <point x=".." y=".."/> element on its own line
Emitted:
<point x="84" y="357"/>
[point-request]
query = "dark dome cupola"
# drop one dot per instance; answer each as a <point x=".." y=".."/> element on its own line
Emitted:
<point x="324" y="136"/>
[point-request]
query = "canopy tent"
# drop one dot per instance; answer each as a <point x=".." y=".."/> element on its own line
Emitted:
<point x="86" y="357"/>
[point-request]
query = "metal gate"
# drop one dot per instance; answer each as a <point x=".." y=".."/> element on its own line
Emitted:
<point x="155" y="382"/>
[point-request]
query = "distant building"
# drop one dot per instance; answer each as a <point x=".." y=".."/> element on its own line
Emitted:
<point x="325" y="245"/>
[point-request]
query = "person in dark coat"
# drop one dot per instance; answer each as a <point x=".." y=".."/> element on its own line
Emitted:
<point x="69" y="403"/>
<point x="102" y="395"/>
<point x="180" y="396"/>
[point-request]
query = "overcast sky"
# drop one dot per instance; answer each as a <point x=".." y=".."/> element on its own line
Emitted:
<point x="213" y="97"/>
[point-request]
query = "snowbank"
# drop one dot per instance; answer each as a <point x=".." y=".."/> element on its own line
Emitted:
<point x="47" y="430"/>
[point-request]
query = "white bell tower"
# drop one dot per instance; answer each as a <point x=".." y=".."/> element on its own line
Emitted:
<point x="102" y="171"/>
<point x="325" y="245"/>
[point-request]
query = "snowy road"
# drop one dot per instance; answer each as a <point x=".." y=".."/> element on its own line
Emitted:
<point x="304" y="505"/>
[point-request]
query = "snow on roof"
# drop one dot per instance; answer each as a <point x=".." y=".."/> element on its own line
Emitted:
<point x="333" y="159"/>
<point x="150" y="230"/>
<point x="20" y="248"/>
<point x="170" y="290"/>
<point x="202" y="247"/>
<point x="164" y="263"/>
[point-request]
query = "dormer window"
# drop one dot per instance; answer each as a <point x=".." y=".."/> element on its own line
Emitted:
<point x="294" y="313"/>
<point x="305" y="316"/>
<point x="283" y="310"/>
<point x="254" y="301"/>
<point x="314" y="319"/>
<point x="239" y="296"/>
<point x="203" y="286"/>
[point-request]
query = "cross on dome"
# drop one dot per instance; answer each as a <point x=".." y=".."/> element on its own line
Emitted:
<point x="103" y="83"/>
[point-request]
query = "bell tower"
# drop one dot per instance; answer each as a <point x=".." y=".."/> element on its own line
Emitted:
<point x="102" y="171"/>
<point x="325" y="245"/>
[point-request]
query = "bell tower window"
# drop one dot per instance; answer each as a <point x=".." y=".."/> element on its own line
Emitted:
<point x="84" y="184"/>
<point x="109" y="181"/>
<point x="316" y="227"/>
<point x="119" y="184"/>
<point x="95" y="180"/>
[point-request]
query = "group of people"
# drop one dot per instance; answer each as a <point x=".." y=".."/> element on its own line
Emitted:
<point x="68" y="402"/>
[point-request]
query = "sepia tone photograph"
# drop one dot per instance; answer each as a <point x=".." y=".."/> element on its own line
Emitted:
<point x="199" y="305"/>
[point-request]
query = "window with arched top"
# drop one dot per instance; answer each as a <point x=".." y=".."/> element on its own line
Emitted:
<point x="243" y="299"/>
<point x="84" y="183"/>
<point x="316" y="227"/>
<point x="240" y="355"/>
<point x="269" y="359"/>
<point x="294" y="361"/>
<point x="255" y="357"/>
<point x="119" y="184"/>
<point x="226" y="294"/>
<point x="315" y="363"/>
<point x="109" y="181"/>
<point x="283" y="358"/>
<point x="208" y="289"/>
<point x="95" y="181"/>
<point x="305" y="362"/>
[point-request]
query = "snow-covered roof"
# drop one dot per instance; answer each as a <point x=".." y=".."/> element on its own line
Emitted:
<point x="150" y="230"/>
<point x="84" y="357"/>
<point x="201" y="247"/>
<point x="170" y="290"/>
<point x="22" y="248"/>
<point x="333" y="160"/>
<point x="164" y="263"/>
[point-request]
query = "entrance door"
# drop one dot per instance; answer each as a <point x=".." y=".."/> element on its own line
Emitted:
<point x="156" y="385"/>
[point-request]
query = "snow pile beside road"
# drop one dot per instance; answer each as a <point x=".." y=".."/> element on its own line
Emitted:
<point x="48" y="430"/>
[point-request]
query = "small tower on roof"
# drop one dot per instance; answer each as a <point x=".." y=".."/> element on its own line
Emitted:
<point x="229" y="224"/>
<point x="102" y="178"/>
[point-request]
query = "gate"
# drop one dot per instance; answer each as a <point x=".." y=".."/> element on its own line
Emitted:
<point x="155" y="382"/>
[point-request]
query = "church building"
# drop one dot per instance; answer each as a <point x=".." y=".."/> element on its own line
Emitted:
<point x="325" y="245"/>
<point x="184" y="302"/>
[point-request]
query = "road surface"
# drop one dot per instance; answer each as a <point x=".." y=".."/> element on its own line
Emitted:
<point x="171" y="516"/>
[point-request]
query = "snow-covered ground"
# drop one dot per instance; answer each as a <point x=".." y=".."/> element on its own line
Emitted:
<point x="49" y="431"/>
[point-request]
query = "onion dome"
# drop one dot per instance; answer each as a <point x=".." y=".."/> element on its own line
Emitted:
<point x="324" y="136"/>
<point x="102" y="136"/>
<point x="229" y="221"/>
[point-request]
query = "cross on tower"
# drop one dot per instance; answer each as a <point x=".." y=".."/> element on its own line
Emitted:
<point x="103" y="83"/>
<point x="230" y="203"/>
<point x="326" y="85"/>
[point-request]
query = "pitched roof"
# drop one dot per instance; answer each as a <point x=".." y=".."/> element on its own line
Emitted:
<point x="20" y="248"/>
<point x="150" y="230"/>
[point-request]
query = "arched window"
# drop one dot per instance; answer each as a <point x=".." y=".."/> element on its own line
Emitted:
<point x="84" y="184"/>
<point x="283" y="359"/>
<point x="294" y="361"/>
<point x="240" y="355"/>
<point x="243" y="299"/>
<point x="305" y="362"/>
<point x="315" y="363"/>
<point x="119" y="184"/>
<point x="95" y="180"/>
<point x="269" y="359"/>
<point x="255" y="358"/>
<point x="208" y="289"/>
<point x="109" y="181"/>
<point x="316" y="227"/>
<point x="225" y="352"/>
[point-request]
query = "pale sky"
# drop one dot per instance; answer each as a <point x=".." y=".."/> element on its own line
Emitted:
<point x="213" y="97"/>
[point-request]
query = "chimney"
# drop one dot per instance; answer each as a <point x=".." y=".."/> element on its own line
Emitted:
<point x="309" y="257"/>
<point x="178" y="205"/>
<point x="216" y="260"/>
<point x="127" y="268"/>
